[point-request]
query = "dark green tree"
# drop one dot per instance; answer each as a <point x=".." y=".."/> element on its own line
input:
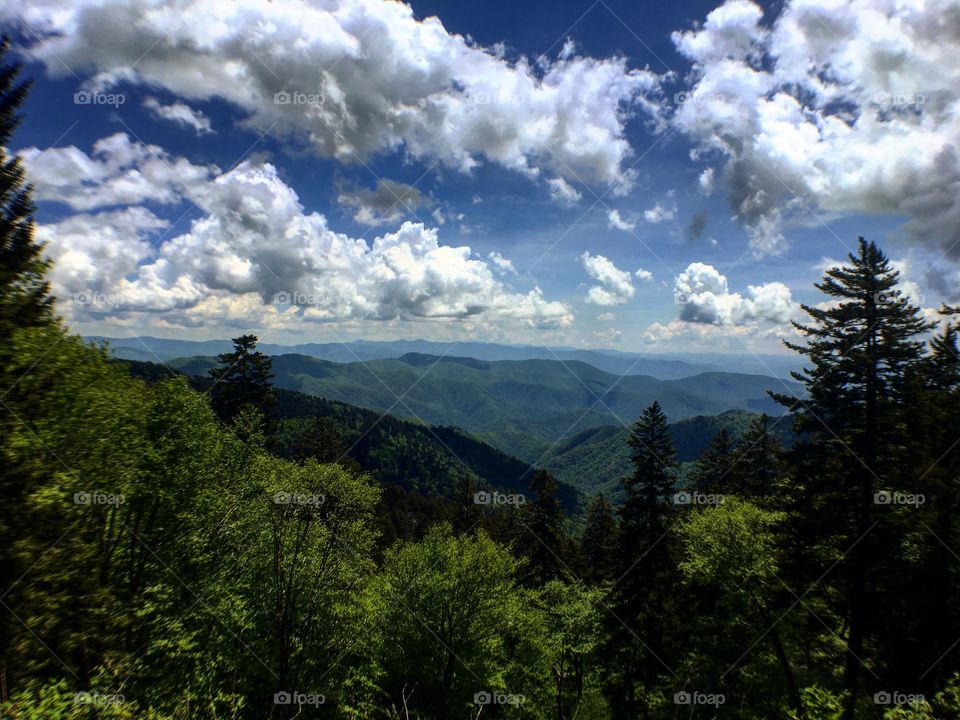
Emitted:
<point x="716" y="469"/>
<point x="759" y="460"/>
<point x="600" y="543"/>
<point x="862" y="348"/>
<point x="244" y="378"/>
<point x="544" y="542"/>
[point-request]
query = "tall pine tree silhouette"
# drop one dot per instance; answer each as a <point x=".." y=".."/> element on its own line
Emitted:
<point x="244" y="379"/>
<point x="862" y="347"/>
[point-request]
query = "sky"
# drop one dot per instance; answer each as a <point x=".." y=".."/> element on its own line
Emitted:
<point x="643" y="176"/>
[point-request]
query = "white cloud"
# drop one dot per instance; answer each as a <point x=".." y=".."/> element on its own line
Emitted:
<point x="644" y="275"/>
<point x="254" y="241"/>
<point x="606" y="317"/>
<point x="181" y="114"/>
<point x="119" y="171"/>
<point x="706" y="181"/>
<point x="615" y="286"/>
<point x="563" y="192"/>
<point x="387" y="203"/>
<point x="360" y="76"/>
<point x="704" y="296"/>
<point x="853" y="109"/>
<point x="615" y="221"/>
<point x="659" y="213"/>
<point x="502" y="264"/>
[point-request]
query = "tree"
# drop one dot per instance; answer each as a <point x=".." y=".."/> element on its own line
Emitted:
<point x="759" y="460"/>
<point x="25" y="299"/>
<point x="714" y="471"/>
<point x="543" y="519"/>
<point x="862" y="348"/>
<point x="600" y="543"/>
<point x="244" y="378"/>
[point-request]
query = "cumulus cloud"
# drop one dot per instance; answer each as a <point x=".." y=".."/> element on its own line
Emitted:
<point x="644" y="275"/>
<point x="563" y="192"/>
<point x="704" y="296"/>
<point x="606" y="317"/>
<point x="256" y="257"/>
<point x="179" y="113"/>
<point x="348" y="78"/>
<point x="387" y="203"/>
<point x="119" y="171"/>
<point x="615" y="286"/>
<point x="706" y="181"/>
<point x="834" y="106"/>
<point x="615" y="221"/>
<point x="659" y="213"/>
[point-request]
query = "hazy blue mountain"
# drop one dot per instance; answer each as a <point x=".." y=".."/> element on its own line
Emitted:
<point x="668" y="366"/>
<point x="522" y="407"/>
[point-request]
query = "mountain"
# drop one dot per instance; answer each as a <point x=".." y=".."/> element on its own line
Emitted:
<point x="522" y="407"/>
<point x="669" y="366"/>
<point x="597" y="458"/>
<point x="431" y="461"/>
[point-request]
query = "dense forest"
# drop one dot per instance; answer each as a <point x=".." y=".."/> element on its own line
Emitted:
<point x="173" y="551"/>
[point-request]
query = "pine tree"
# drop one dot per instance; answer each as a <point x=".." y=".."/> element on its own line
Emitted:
<point x="647" y="505"/>
<point x="543" y="519"/>
<point x="716" y="467"/>
<point x="759" y="460"/>
<point x="599" y="546"/>
<point x="244" y="378"/>
<point x="25" y="299"/>
<point x="862" y="348"/>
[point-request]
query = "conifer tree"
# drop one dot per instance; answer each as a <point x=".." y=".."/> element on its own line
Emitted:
<point x="715" y="468"/>
<point x="862" y="348"/>
<point x="543" y="518"/>
<point x="759" y="459"/>
<point x="244" y="378"/>
<point x="599" y="545"/>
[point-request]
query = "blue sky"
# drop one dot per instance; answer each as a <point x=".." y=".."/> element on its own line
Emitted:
<point x="645" y="176"/>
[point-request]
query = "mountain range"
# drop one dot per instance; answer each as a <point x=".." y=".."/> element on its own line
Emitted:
<point x="664" y="366"/>
<point x="523" y="407"/>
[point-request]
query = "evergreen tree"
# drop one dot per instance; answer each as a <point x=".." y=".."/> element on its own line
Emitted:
<point x="715" y="468"/>
<point x="599" y="546"/>
<point x="646" y="507"/>
<point x="759" y="460"/>
<point x="25" y="299"/>
<point x="244" y="378"/>
<point x="543" y="519"/>
<point x="862" y="348"/>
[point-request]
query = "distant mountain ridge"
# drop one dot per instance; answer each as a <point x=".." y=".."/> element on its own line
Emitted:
<point x="664" y="366"/>
<point x="522" y="407"/>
